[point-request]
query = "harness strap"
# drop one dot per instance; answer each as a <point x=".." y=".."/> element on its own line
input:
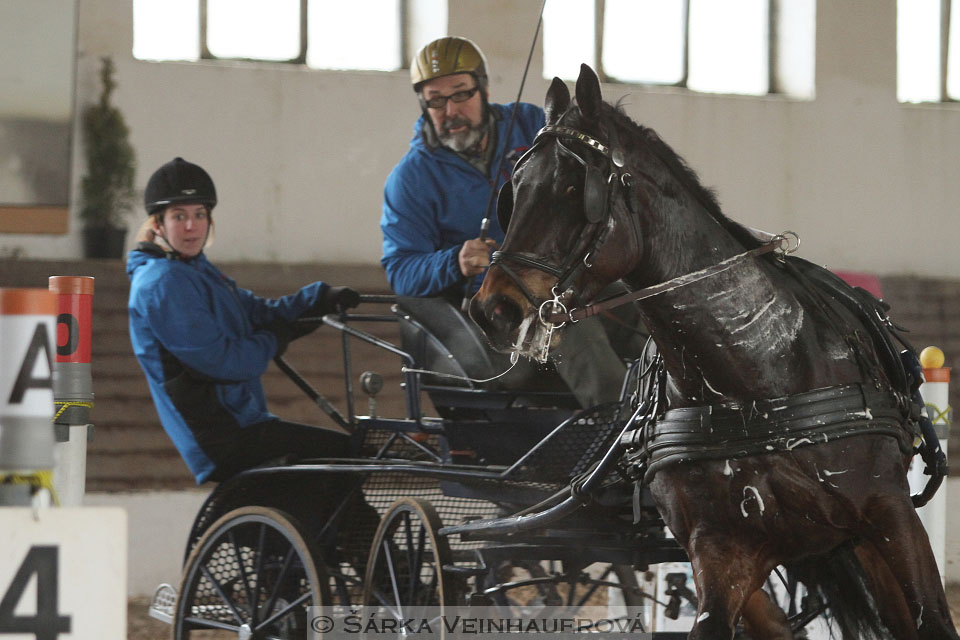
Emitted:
<point x="778" y="242"/>
<point x="732" y="431"/>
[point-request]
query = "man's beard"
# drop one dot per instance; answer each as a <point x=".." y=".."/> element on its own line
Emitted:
<point x="465" y="140"/>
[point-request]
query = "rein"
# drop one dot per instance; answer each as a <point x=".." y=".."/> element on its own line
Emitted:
<point x="781" y="243"/>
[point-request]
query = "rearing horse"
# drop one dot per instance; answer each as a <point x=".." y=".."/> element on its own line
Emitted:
<point x="783" y="439"/>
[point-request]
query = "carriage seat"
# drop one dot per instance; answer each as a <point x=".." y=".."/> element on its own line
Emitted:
<point x="442" y="339"/>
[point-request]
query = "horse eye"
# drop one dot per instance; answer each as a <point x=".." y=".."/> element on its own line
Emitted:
<point x="570" y="191"/>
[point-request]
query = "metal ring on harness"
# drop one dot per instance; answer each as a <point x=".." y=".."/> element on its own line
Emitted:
<point x="554" y="304"/>
<point x="789" y="242"/>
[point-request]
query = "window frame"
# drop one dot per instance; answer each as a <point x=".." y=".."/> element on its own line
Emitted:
<point x="945" y="11"/>
<point x="774" y="87"/>
<point x="300" y="58"/>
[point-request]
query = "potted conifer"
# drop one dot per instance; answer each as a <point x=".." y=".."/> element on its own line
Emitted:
<point x="107" y="188"/>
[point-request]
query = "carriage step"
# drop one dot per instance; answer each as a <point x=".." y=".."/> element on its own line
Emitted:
<point x="163" y="602"/>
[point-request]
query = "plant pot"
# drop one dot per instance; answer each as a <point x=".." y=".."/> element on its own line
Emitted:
<point x="104" y="242"/>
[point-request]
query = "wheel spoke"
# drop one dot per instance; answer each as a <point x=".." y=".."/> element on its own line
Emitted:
<point x="278" y="582"/>
<point x="416" y="562"/>
<point x="286" y="610"/>
<point x="231" y="536"/>
<point x="393" y="576"/>
<point x="261" y="542"/>
<point x="220" y="592"/>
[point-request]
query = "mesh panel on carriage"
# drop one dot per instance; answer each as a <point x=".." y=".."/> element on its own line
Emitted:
<point x="573" y="447"/>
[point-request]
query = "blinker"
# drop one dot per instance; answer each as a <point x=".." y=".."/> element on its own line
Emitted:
<point x="594" y="195"/>
<point x="505" y="205"/>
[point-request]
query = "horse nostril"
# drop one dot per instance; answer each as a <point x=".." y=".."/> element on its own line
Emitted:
<point x="505" y="313"/>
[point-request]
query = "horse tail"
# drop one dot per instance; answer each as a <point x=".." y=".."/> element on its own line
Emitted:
<point x="838" y="580"/>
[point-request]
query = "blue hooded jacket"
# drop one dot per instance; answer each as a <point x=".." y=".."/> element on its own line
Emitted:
<point x="196" y="337"/>
<point x="434" y="200"/>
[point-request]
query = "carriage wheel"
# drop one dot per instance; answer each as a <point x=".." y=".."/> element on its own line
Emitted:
<point x="251" y="575"/>
<point x="405" y="568"/>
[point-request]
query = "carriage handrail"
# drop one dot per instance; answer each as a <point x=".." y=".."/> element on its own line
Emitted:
<point x="411" y="379"/>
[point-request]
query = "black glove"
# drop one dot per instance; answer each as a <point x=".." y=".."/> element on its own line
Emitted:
<point x="285" y="332"/>
<point x="338" y="299"/>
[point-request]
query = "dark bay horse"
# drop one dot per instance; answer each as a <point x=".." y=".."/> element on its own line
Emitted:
<point x="797" y="437"/>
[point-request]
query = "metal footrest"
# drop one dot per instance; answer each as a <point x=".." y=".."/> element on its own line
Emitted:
<point x="163" y="602"/>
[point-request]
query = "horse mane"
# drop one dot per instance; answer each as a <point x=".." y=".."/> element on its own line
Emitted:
<point x="682" y="172"/>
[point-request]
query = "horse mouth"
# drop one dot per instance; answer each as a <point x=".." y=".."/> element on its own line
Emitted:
<point x="537" y="343"/>
<point x="513" y="327"/>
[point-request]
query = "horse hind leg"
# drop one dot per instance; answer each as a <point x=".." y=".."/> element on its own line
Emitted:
<point x="899" y="544"/>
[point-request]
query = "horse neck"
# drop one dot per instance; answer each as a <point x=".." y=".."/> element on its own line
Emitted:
<point x="741" y="334"/>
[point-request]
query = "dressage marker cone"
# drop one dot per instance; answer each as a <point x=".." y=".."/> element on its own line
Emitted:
<point x="72" y="385"/>
<point x="935" y="392"/>
<point x="27" y="329"/>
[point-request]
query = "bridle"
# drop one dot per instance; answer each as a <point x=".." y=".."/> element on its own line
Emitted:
<point x="598" y="190"/>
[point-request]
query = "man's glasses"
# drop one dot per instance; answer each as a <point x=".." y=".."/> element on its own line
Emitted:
<point x="439" y="102"/>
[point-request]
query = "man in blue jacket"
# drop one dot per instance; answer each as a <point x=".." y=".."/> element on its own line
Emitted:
<point x="434" y="199"/>
<point x="203" y="342"/>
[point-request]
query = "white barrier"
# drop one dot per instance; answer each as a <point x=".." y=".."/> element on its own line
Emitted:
<point x="27" y="330"/>
<point x="63" y="573"/>
<point x="935" y="392"/>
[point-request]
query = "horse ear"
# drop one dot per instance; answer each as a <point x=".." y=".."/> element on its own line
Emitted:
<point x="588" y="93"/>
<point x="558" y="100"/>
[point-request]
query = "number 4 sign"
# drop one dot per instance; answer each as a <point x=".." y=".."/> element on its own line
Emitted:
<point x="63" y="574"/>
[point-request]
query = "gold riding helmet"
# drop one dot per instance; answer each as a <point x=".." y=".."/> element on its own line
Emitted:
<point x="446" y="57"/>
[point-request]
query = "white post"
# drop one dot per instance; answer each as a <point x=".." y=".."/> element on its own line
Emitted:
<point x="935" y="392"/>
<point x="72" y="385"/>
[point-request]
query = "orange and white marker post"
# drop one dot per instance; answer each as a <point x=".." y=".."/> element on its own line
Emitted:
<point x="63" y="570"/>
<point x="72" y="385"/>
<point x="936" y="398"/>
<point x="27" y="330"/>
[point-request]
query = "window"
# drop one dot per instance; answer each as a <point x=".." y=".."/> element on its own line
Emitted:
<point x="749" y="47"/>
<point x="323" y="34"/>
<point x="928" y="51"/>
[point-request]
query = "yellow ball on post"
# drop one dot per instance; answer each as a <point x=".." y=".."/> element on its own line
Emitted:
<point x="931" y="358"/>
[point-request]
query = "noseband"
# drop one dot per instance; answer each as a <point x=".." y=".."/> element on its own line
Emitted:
<point x="598" y="190"/>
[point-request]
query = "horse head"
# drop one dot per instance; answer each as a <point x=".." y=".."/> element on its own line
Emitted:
<point x="567" y="217"/>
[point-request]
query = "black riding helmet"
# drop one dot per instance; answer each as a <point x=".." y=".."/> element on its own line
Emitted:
<point x="179" y="181"/>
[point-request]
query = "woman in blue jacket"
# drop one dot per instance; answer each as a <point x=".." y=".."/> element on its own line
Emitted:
<point x="203" y="342"/>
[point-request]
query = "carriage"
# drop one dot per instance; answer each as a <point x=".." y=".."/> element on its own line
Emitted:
<point x="405" y="522"/>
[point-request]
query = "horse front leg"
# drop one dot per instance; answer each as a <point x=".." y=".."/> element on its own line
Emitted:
<point x="727" y="574"/>
<point x="900" y="543"/>
<point x="763" y="619"/>
<point x="891" y="605"/>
